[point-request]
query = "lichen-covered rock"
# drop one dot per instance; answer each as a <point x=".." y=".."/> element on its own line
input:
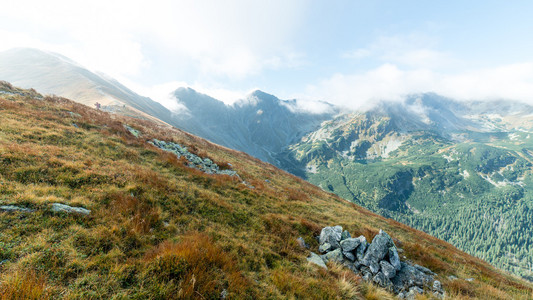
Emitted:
<point x="378" y="248"/>
<point x="437" y="286"/>
<point x="58" y="207"/>
<point x="335" y="256"/>
<point x="424" y="269"/>
<point x="388" y="270"/>
<point x="331" y="235"/>
<point x="382" y="280"/>
<point x="325" y="247"/>
<point x="378" y="262"/>
<point x="409" y="276"/>
<point x="394" y="258"/>
<point x="361" y="250"/>
<point x="349" y="255"/>
<point x="12" y="208"/>
<point x="345" y="235"/>
<point x="350" y="244"/>
<point x="317" y="260"/>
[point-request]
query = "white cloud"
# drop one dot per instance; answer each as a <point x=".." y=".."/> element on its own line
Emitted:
<point x="390" y="82"/>
<point x="163" y="93"/>
<point x="219" y="38"/>
<point x="411" y="50"/>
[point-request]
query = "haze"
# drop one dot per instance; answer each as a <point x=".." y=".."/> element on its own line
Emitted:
<point x="347" y="52"/>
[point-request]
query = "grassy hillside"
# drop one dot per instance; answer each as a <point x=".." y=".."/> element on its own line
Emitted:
<point x="159" y="229"/>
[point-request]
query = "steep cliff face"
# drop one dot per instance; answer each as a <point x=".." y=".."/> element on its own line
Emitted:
<point x="260" y="125"/>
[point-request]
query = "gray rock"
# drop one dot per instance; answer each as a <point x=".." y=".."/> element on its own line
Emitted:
<point x="11" y="208"/>
<point x="437" y="286"/>
<point x="360" y="252"/>
<point x="350" y="244"/>
<point x="409" y="276"/>
<point x="374" y="267"/>
<point x="58" y="207"/>
<point x="452" y="277"/>
<point x="378" y="248"/>
<point x="317" y="260"/>
<point x="367" y="275"/>
<point x="133" y="131"/>
<point x="353" y="266"/>
<point x="331" y="235"/>
<point x="325" y="247"/>
<point x="438" y="295"/>
<point x="223" y="294"/>
<point x="335" y="256"/>
<point x="413" y="291"/>
<point x="424" y="269"/>
<point x="394" y="258"/>
<point x="469" y="279"/>
<point x="345" y="235"/>
<point x="302" y="243"/>
<point x="388" y="270"/>
<point x="349" y="255"/>
<point x="382" y="280"/>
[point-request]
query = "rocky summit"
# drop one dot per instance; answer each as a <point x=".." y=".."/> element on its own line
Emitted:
<point x="376" y="262"/>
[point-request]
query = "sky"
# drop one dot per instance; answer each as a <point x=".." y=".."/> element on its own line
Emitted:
<point x="350" y="53"/>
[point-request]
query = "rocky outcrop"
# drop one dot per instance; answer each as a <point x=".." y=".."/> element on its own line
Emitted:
<point x="203" y="164"/>
<point x="12" y="208"/>
<point x="58" y="207"/>
<point x="377" y="262"/>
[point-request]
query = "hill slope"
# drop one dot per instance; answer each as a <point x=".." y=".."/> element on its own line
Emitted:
<point x="158" y="228"/>
<point x="261" y="125"/>
<point x="52" y="73"/>
<point x="459" y="171"/>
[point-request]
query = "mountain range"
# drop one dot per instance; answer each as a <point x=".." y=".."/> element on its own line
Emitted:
<point x="460" y="171"/>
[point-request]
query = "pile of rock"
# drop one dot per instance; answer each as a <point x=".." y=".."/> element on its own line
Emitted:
<point x="378" y="262"/>
<point x="203" y="164"/>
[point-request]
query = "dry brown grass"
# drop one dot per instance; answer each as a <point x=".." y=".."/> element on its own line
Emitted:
<point x="196" y="267"/>
<point x="21" y="284"/>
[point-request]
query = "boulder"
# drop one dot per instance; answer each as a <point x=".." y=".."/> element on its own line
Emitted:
<point x="325" y="247"/>
<point x="335" y="256"/>
<point x="411" y="295"/>
<point x="382" y="280"/>
<point x="409" y="276"/>
<point x="315" y="259"/>
<point x="331" y="235"/>
<point x="11" y="208"/>
<point x="361" y="250"/>
<point x="378" y="249"/>
<point x="349" y="255"/>
<point x="424" y="270"/>
<point x="388" y="270"/>
<point x="394" y="258"/>
<point x="437" y="286"/>
<point x="345" y="235"/>
<point x="58" y="207"/>
<point x="350" y="244"/>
